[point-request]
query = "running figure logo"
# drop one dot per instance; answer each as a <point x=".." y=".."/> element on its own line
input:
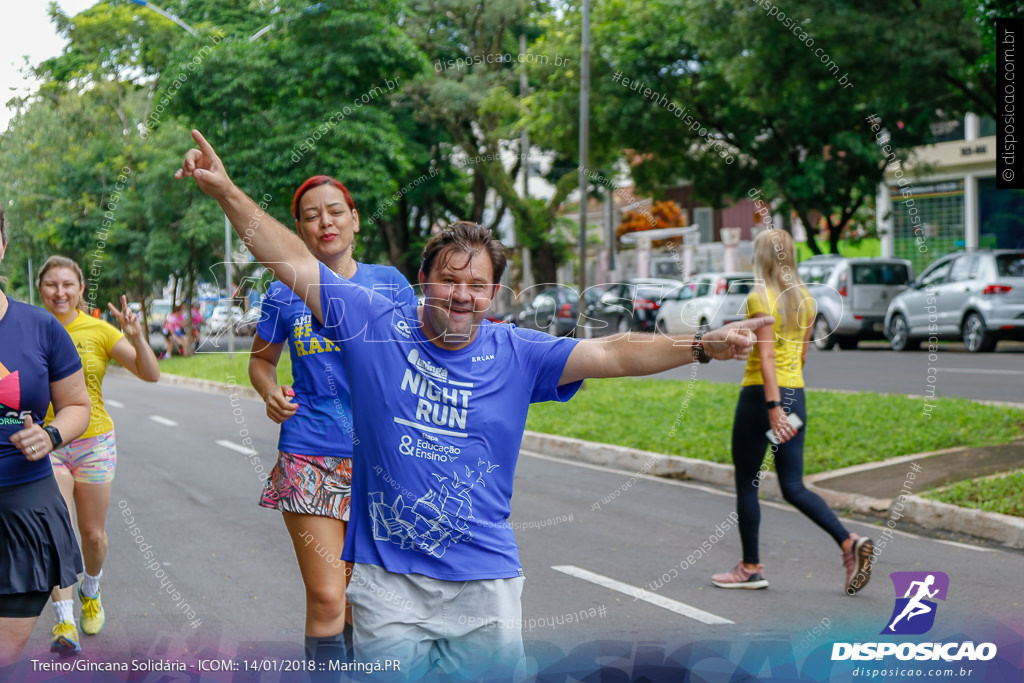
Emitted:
<point x="914" y="613"/>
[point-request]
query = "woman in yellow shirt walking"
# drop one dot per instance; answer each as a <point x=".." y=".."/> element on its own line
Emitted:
<point x="85" y="467"/>
<point x="772" y="394"/>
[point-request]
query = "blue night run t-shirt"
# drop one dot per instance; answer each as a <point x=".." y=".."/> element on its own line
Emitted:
<point x="438" y="434"/>
<point x="322" y="425"/>
<point x="35" y="350"/>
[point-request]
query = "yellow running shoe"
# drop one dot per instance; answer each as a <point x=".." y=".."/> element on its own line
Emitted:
<point x="93" y="617"/>
<point x="65" y="639"/>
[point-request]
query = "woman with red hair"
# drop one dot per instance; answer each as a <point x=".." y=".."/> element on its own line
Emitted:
<point x="311" y="482"/>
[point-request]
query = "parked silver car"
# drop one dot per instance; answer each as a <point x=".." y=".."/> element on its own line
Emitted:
<point x="977" y="297"/>
<point x="712" y="299"/>
<point x="851" y="296"/>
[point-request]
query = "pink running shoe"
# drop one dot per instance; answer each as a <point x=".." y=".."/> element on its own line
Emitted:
<point x="741" y="577"/>
<point x="857" y="561"/>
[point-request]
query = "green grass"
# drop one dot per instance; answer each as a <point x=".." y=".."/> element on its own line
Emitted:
<point x="1003" y="494"/>
<point x="844" y="429"/>
<point x="219" y="368"/>
<point x="870" y="246"/>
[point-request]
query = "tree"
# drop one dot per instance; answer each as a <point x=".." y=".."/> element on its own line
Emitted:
<point x="472" y="93"/>
<point x="318" y="92"/>
<point x="734" y="96"/>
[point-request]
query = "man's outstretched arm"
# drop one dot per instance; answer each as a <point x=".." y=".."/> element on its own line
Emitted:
<point x="272" y="244"/>
<point x="635" y="355"/>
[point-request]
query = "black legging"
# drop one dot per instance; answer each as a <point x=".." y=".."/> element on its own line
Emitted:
<point x="748" y="449"/>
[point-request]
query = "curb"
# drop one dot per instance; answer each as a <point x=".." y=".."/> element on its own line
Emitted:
<point x="928" y="514"/>
<point x="207" y="385"/>
<point x="993" y="526"/>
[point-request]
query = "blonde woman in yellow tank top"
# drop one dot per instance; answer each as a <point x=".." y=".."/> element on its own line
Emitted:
<point x="772" y="391"/>
<point x="85" y="467"/>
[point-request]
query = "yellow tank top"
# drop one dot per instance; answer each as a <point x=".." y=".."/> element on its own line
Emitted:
<point x="94" y="339"/>
<point x="788" y="342"/>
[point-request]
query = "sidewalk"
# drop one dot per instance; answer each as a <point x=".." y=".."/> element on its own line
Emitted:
<point x="868" y="489"/>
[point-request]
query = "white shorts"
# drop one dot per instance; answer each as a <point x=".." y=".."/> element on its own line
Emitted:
<point x="466" y="629"/>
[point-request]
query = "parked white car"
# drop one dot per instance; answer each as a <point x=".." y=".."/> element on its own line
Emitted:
<point x="222" y="316"/>
<point x="711" y="299"/>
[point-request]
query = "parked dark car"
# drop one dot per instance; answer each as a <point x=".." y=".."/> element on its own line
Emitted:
<point x="554" y="310"/>
<point x="977" y="297"/>
<point x="628" y="306"/>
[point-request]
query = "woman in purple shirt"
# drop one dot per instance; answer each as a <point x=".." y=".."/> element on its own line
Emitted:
<point x="38" y="550"/>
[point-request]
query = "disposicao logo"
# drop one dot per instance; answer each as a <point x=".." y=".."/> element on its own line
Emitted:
<point x="914" y="614"/>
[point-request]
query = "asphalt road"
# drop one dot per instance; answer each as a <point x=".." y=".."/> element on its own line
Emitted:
<point x="589" y="538"/>
<point x="873" y="366"/>
<point x="997" y="376"/>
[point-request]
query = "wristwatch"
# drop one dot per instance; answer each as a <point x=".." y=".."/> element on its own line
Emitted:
<point x="698" y="348"/>
<point x="773" y="404"/>
<point x="55" y="436"/>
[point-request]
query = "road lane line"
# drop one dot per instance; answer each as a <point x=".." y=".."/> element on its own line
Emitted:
<point x="230" y="445"/>
<point x="979" y="371"/>
<point x="962" y="545"/>
<point x="871" y="528"/>
<point x="163" y="421"/>
<point x="645" y="595"/>
<point x="113" y="404"/>
<point x="653" y="477"/>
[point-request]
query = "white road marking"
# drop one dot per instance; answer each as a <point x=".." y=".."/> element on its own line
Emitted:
<point x="163" y="421"/>
<point x="978" y="371"/>
<point x="645" y="595"/>
<point x="231" y="445"/>
<point x="651" y="477"/>
<point x="113" y="404"/>
<point x="961" y="545"/>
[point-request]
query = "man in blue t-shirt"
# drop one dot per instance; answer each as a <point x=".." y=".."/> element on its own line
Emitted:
<point x="440" y="398"/>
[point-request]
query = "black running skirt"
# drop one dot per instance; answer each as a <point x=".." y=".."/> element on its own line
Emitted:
<point x="38" y="549"/>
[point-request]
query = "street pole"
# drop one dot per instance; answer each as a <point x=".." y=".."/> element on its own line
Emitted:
<point x="167" y="15"/>
<point x="524" y="150"/>
<point x="228" y="258"/>
<point x="609" y="218"/>
<point x="584" y="149"/>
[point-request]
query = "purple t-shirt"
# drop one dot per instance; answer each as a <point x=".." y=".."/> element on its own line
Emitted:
<point x="438" y="434"/>
<point x="35" y="350"/>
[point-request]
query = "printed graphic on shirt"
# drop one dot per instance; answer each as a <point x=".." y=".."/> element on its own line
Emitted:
<point x="306" y="341"/>
<point x="443" y="404"/>
<point x="435" y="520"/>
<point x="10" y="396"/>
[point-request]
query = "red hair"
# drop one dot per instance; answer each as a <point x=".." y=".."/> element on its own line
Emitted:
<point x="317" y="181"/>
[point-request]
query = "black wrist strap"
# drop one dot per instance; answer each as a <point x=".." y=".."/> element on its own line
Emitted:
<point x="773" y="404"/>
<point x="55" y="436"/>
<point x="698" y="347"/>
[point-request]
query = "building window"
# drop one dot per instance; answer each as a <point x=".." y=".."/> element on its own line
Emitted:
<point x="945" y="131"/>
<point x="928" y="222"/>
<point x="704" y="218"/>
<point x="1000" y="216"/>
